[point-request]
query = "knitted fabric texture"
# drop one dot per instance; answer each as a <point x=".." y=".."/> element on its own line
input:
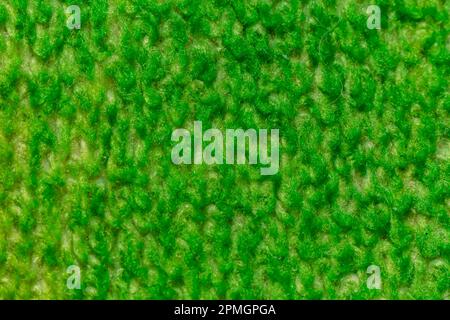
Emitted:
<point x="86" y="177"/>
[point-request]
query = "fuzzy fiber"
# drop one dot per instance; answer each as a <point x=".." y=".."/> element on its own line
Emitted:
<point x="86" y="177"/>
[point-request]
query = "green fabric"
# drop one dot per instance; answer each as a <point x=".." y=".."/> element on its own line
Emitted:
<point x="86" y="177"/>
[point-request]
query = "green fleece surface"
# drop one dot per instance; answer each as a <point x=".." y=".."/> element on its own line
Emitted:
<point x="86" y="176"/>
